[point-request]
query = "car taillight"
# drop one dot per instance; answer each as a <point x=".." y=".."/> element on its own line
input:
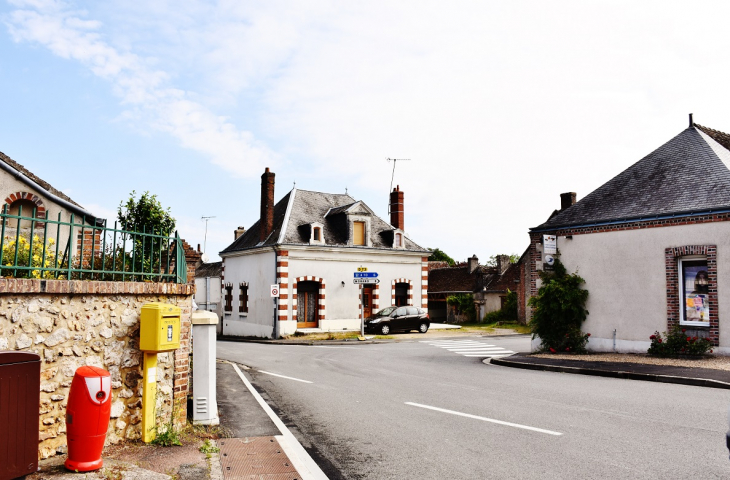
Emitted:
<point x="427" y="317"/>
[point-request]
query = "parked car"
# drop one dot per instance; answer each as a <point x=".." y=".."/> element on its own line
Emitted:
<point x="393" y="319"/>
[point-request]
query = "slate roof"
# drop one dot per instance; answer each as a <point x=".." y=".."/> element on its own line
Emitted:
<point x="213" y="269"/>
<point x="300" y="208"/>
<point x="688" y="175"/>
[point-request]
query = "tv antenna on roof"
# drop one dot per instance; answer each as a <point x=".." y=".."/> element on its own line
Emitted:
<point x="205" y="238"/>
<point x="394" y="160"/>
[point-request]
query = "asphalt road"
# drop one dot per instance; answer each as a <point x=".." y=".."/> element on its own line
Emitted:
<point x="414" y="410"/>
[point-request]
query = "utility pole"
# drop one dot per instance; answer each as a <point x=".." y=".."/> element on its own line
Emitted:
<point x="205" y="238"/>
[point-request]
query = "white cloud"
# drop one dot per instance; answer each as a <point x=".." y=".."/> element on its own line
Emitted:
<point x="145" y="91"/>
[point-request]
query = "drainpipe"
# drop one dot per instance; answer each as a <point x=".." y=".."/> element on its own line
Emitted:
<point x="614" y="340"/>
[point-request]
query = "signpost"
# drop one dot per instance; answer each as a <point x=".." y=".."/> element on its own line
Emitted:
<point x="274" y="296"/>
<point x="363" y="277"/>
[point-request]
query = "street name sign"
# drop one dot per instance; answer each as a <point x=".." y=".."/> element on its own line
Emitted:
<point x="365" y="275"/>
<point x="360" y="281"/>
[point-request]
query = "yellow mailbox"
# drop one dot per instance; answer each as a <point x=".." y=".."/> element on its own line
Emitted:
<point x="159" y="329"/>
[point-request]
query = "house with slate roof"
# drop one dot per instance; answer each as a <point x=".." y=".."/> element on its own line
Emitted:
<point x="653" y="245"/>
<point x="26" y="193"/>
<point x="311" y="244"/>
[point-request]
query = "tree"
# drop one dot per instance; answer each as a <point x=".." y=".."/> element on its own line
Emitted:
<point x="559" y="311"/>
<point x="438" y="255"/>
<point x="147" y="216"/>
<point x="463" y="303"/>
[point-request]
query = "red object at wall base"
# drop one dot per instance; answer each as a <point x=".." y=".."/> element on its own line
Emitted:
<point x="87" y="418"/>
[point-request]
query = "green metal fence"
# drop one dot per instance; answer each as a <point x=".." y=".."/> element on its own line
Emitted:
<point x="32" y="248"/>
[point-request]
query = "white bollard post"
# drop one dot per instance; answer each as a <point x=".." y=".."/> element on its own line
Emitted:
<point x="205" y="405"/>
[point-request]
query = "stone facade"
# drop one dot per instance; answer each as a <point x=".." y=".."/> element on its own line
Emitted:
<point x="73" y="323"/>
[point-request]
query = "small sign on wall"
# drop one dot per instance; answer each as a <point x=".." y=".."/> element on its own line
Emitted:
<point x="550" y="244"/>
<point x="275" y="291"/>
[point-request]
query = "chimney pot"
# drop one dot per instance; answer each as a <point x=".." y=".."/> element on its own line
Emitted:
<point x="473" y="263"/>
<point x="238" y="232"/>
<point x="567" y="200"/>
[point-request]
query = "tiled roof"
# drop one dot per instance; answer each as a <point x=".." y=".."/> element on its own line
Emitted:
<point x="688" y="174"/>
<point x="304" y="208"/>
<point x="47" y="186"/>
<point x="458" y="279"/>
<point x="213" y="269"/>
<point x="452" y="279"/>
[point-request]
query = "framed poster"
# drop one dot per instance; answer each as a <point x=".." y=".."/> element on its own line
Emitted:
<point x="695" y="289"/>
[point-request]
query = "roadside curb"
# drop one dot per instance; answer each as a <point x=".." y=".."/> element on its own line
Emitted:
<point x="229" y="338"/>
<point x="697" y="382"/>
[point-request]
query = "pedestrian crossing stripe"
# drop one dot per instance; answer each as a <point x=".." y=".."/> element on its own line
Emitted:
<point x="470" y="348"/>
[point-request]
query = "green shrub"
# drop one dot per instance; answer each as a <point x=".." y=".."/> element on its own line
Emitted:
<point x="559" y="311"/>
<point x="464" y="305"/>
<point x="676" y="342"/>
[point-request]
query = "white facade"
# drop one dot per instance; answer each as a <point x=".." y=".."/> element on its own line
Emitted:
<point x="333" y="267"/>
<point x="626" y="277"/>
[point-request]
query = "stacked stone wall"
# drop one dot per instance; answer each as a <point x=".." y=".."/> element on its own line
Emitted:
<point x="71" y="324"/>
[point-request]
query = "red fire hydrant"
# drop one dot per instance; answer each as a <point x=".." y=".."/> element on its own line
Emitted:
<point x="87" y="418"/>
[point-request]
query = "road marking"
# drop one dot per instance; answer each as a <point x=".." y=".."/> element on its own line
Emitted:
<point x="484" y="419"/>
<point x="304" y="464"/>
<point x="470" y="348"/>
<point x="284" y="376"/>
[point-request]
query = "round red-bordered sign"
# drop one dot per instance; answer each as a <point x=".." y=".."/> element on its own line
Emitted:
<point x="275" y="290"/>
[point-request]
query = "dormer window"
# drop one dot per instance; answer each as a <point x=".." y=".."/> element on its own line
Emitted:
<point x="358" y="233"/>
<point x="316" y="234"/>
<point x="399" y="242"/>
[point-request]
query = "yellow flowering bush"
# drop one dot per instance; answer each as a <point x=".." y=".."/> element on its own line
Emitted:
<point x="26" y="258"/>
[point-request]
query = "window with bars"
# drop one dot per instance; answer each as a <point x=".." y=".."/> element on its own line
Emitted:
<point x="228" y="306"/>
<point x="243" y="298"/>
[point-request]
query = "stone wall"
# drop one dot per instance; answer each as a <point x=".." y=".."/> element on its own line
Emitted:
<point x="75" y="323"/>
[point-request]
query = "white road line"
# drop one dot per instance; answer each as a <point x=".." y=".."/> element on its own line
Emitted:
<point x="491" y="355"/>
<point x="484" y="419"/>
<point x="301" y="460"/>
<point x="462" y="349"/>
<point x="284" y="376"/>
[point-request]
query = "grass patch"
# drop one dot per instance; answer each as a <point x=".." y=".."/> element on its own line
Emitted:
<point x="207" y="448"/>
<point x="489" y="328"/>
<point x="326" y="336"/>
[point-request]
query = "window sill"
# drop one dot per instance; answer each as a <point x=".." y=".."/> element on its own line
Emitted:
<point x="694" y="324"/>
<point x="243" y="314"/>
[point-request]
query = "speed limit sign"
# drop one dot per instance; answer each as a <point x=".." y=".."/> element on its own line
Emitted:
<point x="275" y="291"/>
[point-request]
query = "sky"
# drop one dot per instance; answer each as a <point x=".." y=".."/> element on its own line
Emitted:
<point x="499" y="106"/>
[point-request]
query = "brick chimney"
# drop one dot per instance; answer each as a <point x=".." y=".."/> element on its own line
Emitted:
<point x="567" y="200"/>
<point x="473" y="263"/>
<point x="267" y="204"/>
<point x="396" y="208"/>
<point x="238" y="232"/>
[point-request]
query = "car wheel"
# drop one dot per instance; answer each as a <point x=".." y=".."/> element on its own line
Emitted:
<point x="385" y="329"/>
<point x="423" y="328"/>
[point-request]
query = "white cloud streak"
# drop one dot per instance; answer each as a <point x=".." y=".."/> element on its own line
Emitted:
<point x="145" y="92"/>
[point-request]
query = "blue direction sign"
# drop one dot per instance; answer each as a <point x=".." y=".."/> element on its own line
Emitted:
<point x="366" y="275"/>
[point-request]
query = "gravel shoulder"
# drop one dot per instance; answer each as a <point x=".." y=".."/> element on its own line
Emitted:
<point x="712" y="362"/>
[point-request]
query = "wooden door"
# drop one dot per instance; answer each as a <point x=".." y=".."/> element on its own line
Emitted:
<point x="367" y="301"/>
<point x="307" y="304"/>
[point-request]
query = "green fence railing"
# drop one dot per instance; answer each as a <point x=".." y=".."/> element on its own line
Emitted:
<point x="34" y="247"/>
